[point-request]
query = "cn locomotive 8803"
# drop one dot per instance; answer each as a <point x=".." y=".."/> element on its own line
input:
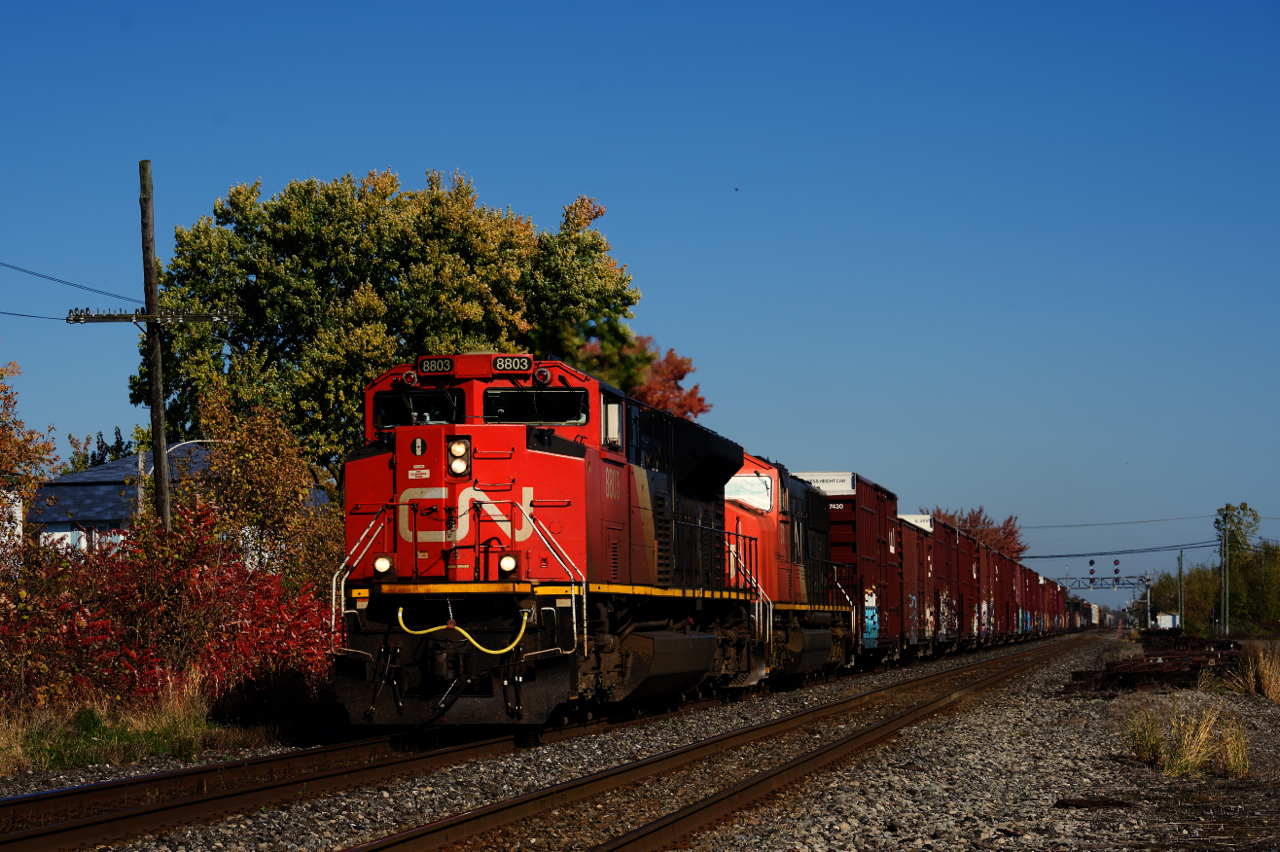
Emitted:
<point x="524" y="541"/>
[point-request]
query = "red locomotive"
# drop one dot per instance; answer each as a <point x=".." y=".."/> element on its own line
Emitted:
<point x="526" y="543"/>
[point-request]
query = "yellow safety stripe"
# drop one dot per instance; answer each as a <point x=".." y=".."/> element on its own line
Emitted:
<point x="454" y="588"/>
<point x="823" y="607"/>
<point x="652" y="591"/>
<point x="560" y="590"/>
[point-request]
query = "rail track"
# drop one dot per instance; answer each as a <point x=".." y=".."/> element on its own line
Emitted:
<point x="148" y="804"/>
<point x="452" y="831"/>
<point x="97" y="813"/>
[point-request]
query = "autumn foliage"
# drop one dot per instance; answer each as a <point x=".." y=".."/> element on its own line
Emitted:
<point x="267" y="495"/>
<point x="1004" y="536"/>
<point x="662" y="388"/>
<point x="608" y="350"/>
<point x="223" y="601"/>
<point x="25" y="454"/>
<point x="161" y="610"/>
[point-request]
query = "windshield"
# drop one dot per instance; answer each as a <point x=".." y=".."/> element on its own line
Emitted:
<point x="417" y="408"/>
<point x="752" y="489"/>
<point x="567" y="406"/>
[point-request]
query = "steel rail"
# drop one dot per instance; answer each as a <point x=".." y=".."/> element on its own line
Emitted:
<point x="670" y="829"/>
<point x="146" y="819"/>
<point x="488" y="817"/>
<point x="17" y="810"/>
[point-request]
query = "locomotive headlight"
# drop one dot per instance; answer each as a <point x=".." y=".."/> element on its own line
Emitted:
<point x="507" y="563"/>
<point x="459" y="456"/>
<point x="382" y="564"/>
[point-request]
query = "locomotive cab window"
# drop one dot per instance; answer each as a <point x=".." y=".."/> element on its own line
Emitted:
<point x="418" y="408"/>
<point x="611" y="422"/>
<point x="552" y="406"/>
<point x="752" y="489"/>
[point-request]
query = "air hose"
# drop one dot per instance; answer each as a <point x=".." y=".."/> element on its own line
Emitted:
<point x="524" y="620"/>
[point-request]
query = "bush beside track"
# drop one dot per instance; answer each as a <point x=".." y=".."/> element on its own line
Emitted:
<point x="131" y="647"/>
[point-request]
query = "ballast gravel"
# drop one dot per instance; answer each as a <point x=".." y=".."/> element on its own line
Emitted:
<point x="1025" y="767"/>
<point x="337" y="821"/>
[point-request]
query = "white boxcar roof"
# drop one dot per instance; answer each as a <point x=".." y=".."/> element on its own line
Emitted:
<point x="924" y="522"/>
<point x="832" y="484"/>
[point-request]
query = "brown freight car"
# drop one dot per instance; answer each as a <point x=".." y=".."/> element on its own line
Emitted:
<point x="864" y="546"/>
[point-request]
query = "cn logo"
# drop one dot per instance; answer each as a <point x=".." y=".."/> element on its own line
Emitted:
<point x="613" y="483"/>
<point x="466" y="498"/>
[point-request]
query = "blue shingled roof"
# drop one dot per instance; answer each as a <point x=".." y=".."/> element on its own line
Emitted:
<point x="108" y="493"/>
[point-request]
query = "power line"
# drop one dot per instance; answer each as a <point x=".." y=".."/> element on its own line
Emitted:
<point x="1123" y="523"/>
<point x="1117" y="523"/>
<point x="1193" y="546"/>
<point x="129" y="299"/>
<point x="29" y="316"/>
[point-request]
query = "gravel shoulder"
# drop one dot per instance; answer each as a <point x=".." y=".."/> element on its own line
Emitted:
<point x="993" y="773"/>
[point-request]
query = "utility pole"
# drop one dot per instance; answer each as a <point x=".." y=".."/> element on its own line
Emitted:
<point x="1148" y="578"/>
<point x="155" y="369"/>
<point x="1226" y="583"/>
<point x="1180" y="616"/>
<point x="154" y="319"/>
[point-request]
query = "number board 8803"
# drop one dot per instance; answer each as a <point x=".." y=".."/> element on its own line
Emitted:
<point x="512" y="364"/>
<point x="435" y="365"/>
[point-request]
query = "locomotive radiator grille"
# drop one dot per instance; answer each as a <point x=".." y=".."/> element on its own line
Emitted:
<point x="662" y="529"/>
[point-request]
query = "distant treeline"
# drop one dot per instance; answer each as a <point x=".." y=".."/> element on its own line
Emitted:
<point x="1253" y="591"/>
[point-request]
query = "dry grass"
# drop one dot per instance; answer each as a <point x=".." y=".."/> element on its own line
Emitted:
<point x="101" y="732"/>
<point x="1233" y="751"/>
<point x="1143" y="735"/>
<point x="1258" y="670"/>
<point x="1191" y="743"/>
<point x="12" y="731"/>
<point x="1194" y="740"/>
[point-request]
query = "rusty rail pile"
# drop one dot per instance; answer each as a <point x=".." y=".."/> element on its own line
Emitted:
<point x="1169" y="657"/>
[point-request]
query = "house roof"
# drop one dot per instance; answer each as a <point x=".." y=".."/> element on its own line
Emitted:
<point x="106" y="494"/>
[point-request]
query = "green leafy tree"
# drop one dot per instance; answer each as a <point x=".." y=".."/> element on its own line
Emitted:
<point x="85" y="455"/>
<point x="608" y="350"/>
<point x="1237" y="524"/>
<point x="334" y="282"/>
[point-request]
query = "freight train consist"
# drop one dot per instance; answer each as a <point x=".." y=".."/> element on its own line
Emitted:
<point x="527" y="543"/>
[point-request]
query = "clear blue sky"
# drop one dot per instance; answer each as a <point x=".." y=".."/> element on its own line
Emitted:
<point x="1011" y="254"/>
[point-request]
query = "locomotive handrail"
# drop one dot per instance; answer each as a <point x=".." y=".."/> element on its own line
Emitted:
<point x="853" y="610"/>
<point x="347" y="563"/>
<point x="764" y="626"/>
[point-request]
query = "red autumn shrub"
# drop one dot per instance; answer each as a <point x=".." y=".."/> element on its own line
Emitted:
<point x="160" y="608"/>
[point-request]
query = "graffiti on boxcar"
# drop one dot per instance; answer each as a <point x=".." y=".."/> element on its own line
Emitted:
<point x="871" y="616"/>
